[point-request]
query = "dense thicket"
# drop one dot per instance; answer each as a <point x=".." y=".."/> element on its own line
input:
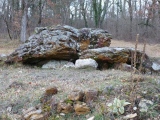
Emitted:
<point x="122" y="18"/>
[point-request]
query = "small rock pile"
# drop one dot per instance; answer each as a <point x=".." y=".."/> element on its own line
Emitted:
<point x="77" y="102"/>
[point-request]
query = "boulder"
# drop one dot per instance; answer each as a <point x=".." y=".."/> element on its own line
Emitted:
<point x="64" y="108"/>
<point x="55" y="64"/>
<point x="156" y="67"/>
<point x="58" y="43"/>
<point x="93" y="38"/>
<point x="3" y="57"/>
<point x="76" y="96"/>
<point x="86" y="63"/>
<point x="68" y="65"/>
<point x="81" y="108"/>
<point x="91" y="95"/>
<point x="151" y="66"/>
<point x="144" y="105"/>
<point x="51" y="91"/>
<point x="28" y="115"/>
<point x="112" y="55"/>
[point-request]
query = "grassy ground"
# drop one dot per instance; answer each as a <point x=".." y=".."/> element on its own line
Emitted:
<point x="32" y="82"/>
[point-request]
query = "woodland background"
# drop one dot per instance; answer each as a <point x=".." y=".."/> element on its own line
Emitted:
<point x="122" y="18"/>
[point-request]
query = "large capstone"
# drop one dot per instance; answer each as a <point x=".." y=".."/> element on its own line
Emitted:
<point x="58" y="43"/>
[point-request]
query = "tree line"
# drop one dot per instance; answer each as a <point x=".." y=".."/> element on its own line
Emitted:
<point x="122" y="18"/>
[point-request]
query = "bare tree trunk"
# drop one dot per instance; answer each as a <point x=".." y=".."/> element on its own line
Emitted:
<point x="83" y="12"/>
<point x="159" y="10"/>
<point x="117" y="21"/>
<point x="131" y="17"/>
<point x="24" y="22"/>
<point x="40" y="13"/>
<point x="8" y="30"/>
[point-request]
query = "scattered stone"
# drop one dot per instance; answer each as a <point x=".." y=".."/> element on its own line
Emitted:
<point x="91" y="95"/>
<point x="46" y="97"/>
<point x="37" y="117"/>
<point x="151" y="67"/>
<point x="144" y="105"/>
<point x="134" y="108"/>
<point x="53" y="104"/>
<point x="28" y="115"/>
<point x="28" y="110"/>
<point x="158" y="81"/>
<point x="156" y="66"/>
<point x="16" y="85"/>
<point x="54" y="64"/>
<point x="86" y="63"/>
<point x="64" y="108"/>
<point x="51" y="91"/>
<point x="76" y="96"/>
<point x="9" y="109"/>
<point x="62" y="114"/>
<point x="81" y="108"/>
<point x="130" y="116"/>
<point x="91" y="118"/>
<point x="68" y="65"/>
<point x="3" y="57"/>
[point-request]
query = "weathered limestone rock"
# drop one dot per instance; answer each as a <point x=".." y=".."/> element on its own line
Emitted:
<point x="81" y="108"/>
<point x="76" y="96"/>
<point x="91" y="95"/>
<point x="149" y="66"/>
<point x="55" y="64"/>
<point x="144" y="105"/>
<point x="86" y="63"/>
<point x="93" y="38"/>
<point x="47" y="96"/>
<point x="27" y="115"/>
<point x="53" y="104"/>
<point x="39" y="117"/>
<point x="58" y="43"/>
<point x="63" y="107"/>
<point x="68" y="65"/>
<point x="51" y="91"/>
<point x="3" y="57"/>
<point x="112" y="55"/>
<point x="47" y="44"/>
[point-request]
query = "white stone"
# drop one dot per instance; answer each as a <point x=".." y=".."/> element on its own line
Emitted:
<point x="135" y="108"/>
<point x="28" y="115"/>
<point x="3" y="55"/>
<point x="144" y="105"/>
<point x="130" y="116"/>
<point x="68" y="65"/>
<point x="54" y="64"/>
<point x="91" y="118"/>
<point x="156" y="66"/>
<point x="86" y="63"/>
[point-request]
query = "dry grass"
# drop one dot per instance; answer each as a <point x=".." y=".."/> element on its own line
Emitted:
<point x="8" y="46"/>
<point x="153" y="50"/>
<point x="34" y="81"/>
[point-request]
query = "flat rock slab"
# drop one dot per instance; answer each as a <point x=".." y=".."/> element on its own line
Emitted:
<point x="112" y="55"/>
